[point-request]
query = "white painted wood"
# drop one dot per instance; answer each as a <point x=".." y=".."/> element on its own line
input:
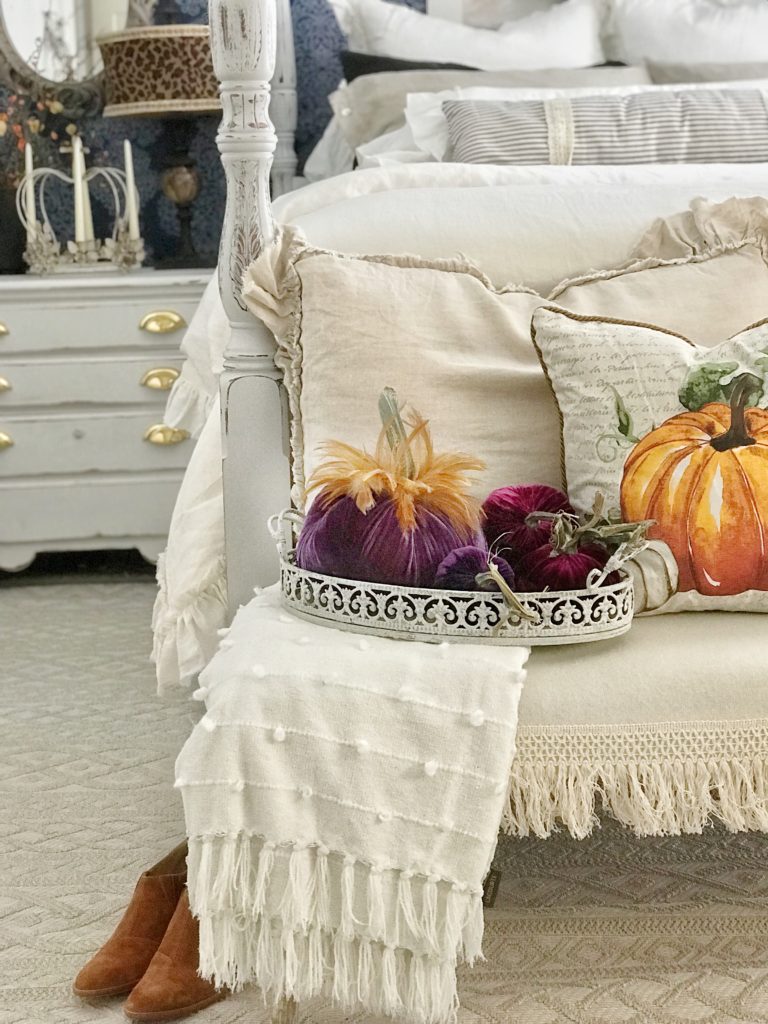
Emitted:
<point x="283" y="107"/>
<point x="255" y="469"/>
<point x="79" y="474"/>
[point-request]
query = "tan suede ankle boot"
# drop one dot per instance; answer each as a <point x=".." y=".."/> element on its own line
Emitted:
<point x="171" y="987"/>
<point x="125" y="956"/>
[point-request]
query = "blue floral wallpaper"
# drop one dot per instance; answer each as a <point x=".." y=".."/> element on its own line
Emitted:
<point x="318" y="43"/>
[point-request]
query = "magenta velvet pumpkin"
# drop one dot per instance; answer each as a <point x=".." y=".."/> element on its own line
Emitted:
<point x="506" y="510"/>
<point x="545" y="568"/>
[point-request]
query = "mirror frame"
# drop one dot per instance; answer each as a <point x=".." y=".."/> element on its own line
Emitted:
<point x="80" y="99"/>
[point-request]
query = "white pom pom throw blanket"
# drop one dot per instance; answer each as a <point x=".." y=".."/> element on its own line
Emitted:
<point x="343" y="796"/>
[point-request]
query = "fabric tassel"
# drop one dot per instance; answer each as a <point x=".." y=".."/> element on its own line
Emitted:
<point x="322" y="888"/>
<point x="391" y="1001"/>
<point x="406" y="909"/>
<point x="266" y="975"/>
<point x="242" y="877"/>
<point x="455" y="917"/>
<point x="348" y="921"/>
<point x="341" y="969"/>
<point x="472" y="932"/>
<point x="263" y="874"/>
<point x="417" y="988"/>
<point x="223" y="892"/>
<point x="290" y="962"/>
<point x="429" y="914"/>
<point x="296" y="905"/>
<point x="315" y="964"/>
<point x="364" y="972"/>
<point x="376" y="910"/>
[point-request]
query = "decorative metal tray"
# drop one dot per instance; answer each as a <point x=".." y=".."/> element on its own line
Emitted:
<point x="457" y="616"/>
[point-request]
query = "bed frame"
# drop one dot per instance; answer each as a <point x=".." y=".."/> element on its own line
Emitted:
<point x="253" y="56"/>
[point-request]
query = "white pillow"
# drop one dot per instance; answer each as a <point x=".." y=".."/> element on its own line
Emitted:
<point x="429" y="127"/>
<point x="567" y="36"/>
<point x="492" y="13"/>
<point x="692" y="30"/>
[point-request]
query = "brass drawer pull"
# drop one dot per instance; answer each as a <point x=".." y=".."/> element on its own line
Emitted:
<point x="5" y="385"/>
<point x="160" y="434"/>
<point x="6" y="441"/>
<point x="162" y="321"/>
<point x="3" y="329"/>
<point x="161" y="378"/>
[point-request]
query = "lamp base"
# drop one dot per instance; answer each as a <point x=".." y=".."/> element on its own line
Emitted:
<point x="181" y="184"/>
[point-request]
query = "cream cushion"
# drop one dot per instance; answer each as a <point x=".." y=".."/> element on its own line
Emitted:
<point x="702" y="273"/>
<point x="664" y="726"/>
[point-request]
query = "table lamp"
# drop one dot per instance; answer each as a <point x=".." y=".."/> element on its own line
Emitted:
<point x="166" y="71"/>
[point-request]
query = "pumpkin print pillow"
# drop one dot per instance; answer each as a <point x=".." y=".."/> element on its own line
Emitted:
<point x="674" y="432"/>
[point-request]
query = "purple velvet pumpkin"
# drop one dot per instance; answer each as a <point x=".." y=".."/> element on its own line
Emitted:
<point x="467" y="569"/>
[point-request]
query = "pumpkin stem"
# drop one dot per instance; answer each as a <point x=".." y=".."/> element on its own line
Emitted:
<point x="737" y="435"/>
<point x="397" y="435"/>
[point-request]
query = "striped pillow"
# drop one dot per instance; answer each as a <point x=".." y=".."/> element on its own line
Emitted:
<point x="689" y="126"/>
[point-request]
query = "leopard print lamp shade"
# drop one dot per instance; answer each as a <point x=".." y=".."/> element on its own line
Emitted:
<point x="160" y="69"/>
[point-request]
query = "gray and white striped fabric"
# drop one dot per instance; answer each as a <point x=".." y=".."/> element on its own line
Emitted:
<point x="687" y="126"/>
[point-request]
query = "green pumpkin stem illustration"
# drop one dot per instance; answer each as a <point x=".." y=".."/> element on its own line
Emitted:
<point x="737" y="435"/>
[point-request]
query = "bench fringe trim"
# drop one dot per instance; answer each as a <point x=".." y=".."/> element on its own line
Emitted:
<point x="653" y="798"/>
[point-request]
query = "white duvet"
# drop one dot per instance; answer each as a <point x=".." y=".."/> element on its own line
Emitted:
<point x="527" y="225"/>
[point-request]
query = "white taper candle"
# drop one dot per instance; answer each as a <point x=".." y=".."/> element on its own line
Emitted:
<point x="87" y="213"/>
<point x="130" y="197"/>
<point x="29" y="192"/>
<point x="78" y="189"/>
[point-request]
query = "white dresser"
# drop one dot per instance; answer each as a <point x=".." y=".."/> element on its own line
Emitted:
<point x="86" y="361"/>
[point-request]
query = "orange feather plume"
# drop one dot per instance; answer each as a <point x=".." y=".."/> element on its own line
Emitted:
<point x="404" y="468"/>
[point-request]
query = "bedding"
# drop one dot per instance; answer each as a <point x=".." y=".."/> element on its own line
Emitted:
<point x="696" y="30"/>
<point x="494" y="13"/>
<point x="707" y="126"/>
<point x="375" y="104"/>
<point x="566" y="227"/>
<point x="566" y="35"/>
<point x="671" y="432"/>
<point x="426" y="118"/>
<point x="670" y="74"/>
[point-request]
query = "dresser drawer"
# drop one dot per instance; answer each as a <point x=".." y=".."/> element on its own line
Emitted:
<point x="80" y="444"/>
<point x="91" y="507"/>
<point x="95" y="324"/>
<point x="98" y="379"/>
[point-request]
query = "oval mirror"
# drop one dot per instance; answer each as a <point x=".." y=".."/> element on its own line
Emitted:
<point x="54" y="41"/>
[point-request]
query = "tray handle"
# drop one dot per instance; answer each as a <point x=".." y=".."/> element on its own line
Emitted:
<point x="283" y="528"/>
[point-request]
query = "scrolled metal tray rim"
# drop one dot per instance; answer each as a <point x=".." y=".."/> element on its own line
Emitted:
<point x="433" y="616"/>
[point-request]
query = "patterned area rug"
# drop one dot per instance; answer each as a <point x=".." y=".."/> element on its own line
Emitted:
<point x="612" y="930"/>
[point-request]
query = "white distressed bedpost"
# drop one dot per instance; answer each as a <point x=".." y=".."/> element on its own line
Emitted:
<point x="256" y="478"/>
<point x="284" y="105"/>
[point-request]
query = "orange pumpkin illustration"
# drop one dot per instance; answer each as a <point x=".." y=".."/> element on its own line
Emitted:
<point x="703" y="476"/>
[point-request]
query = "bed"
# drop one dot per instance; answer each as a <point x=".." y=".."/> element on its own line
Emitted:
<point x="680" y="737"/>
